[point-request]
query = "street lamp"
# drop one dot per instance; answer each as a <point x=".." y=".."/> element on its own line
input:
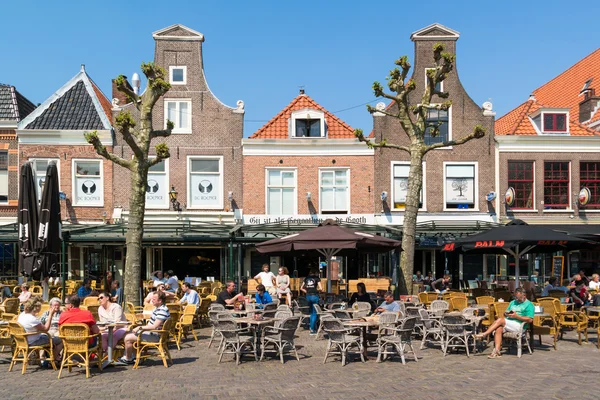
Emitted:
<point x="173" y="196"/>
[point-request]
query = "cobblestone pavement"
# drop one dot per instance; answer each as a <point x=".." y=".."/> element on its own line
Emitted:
<point x="547" y="374"/>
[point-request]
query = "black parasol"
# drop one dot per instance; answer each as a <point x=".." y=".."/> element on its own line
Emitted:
<point x="49" y="233"/>
<point x="28" y="221"/>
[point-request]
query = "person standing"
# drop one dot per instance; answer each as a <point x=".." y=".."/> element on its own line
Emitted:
<point x="283" y="285"/>
<point x="311" y="287"/>
<point x="116" y="293"/>
<point x="441" y="285"/>
<point x="267" y="279"/>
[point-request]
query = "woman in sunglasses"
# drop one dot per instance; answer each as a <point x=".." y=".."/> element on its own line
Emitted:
<point x="110" y="312"/>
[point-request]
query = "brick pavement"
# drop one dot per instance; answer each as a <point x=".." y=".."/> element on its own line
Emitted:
<point x="196" y="374"/>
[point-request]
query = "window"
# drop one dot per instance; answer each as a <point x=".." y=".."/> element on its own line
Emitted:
<point x="334" y="191"/>
<point x="88" y="187"/>
<point x="281" y="192"/>
<point x="157" y="186"/>
<point x="441" y="120"/>
<point x="40" y="166"/>
<point x="556" y="122"/>
<point x="440" y="86"/>
<point x="589" y="177"/>
<point x="178" y="75"/>
<point x="180" y="112"/>
<point x="3" y="176"/>
<point x="308" y="123"/>
<point x="556" y="185"/>
<point x="308" y="128"/>
<point x="520" y="178"/>
<point x="460" y="186"/>
<point x="400" y="186"/>
<point x="205" y="182"/>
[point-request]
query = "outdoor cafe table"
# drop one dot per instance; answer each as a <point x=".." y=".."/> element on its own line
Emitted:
<point x="363" y="323"/>
<point x="111" y="326"/>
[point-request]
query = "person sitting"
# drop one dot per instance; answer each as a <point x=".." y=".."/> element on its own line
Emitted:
<point x="552" y="285"/>
<point x="579" y="294"/>
<point x="159" y="315"/>
<point x="53" y="314"/>
<point x="388" y="304"/>
<point x="116" y="293"/>
<point x="229" y="296"/>
<point x="441" y="285"/>
<point x="110" y="312"/>
<point x="24" y="296"/>
<point x="158" y="278"/>
<point x="584" y="277"/>
<point x="172" y="281"/>
<point x="29" y="321"/>
<point x="417" y="277"/>
<point x="427" y="280"/>
<point x="86" y="289"/>
<point x="190" y="296"/>
<point x="262" y="296"/>
<point x="159" y="288"/>
<point x="75" y="315"/>
<point x="595" y="282"/>
<point x="283" y="285"/>
<point x="519" y="313"/>
<point x="360" y="295"/>
<point x="267" y="279"/>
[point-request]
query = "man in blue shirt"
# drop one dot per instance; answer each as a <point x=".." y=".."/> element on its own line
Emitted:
<point x="86" y="289"/>
<point x="262" y="296"/>
<point x="190" y="296"/>
<point x="552" y="285"/>
<point x="389" y="304"/>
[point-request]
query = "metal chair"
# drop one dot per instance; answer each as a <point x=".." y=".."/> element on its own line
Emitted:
<point x="399" y="338"/>
<point x="280" y="337"/>
<point x="341" y="339"/>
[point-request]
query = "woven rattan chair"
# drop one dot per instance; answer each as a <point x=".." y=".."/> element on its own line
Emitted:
<point x="362" y="305"/>
<point x="342" y="315"/>
<point x="175" y="317"/>
<point x="76" y="339"/>
<point x="9" y="308"/>
<point x="341" y="339"/>
<point x="239" y="341"/>
<point x="281" y="315"/>
<point x="202" y="312"/>
<point x="216" y="307"/>
<point x="397" y="341"/>
<point x="144" y="348"/>
<point x="186" y="324"/>
<point x="213" y="317"/>
<point x="519" y="338"/>
<point x="23" y="351"/>
<point x="485" y="299"/>
<point x="439" y="307"/>
<point x="320" y="329"/>
<point x="283" y="307"/>
<point x="548" y="325"/>
<point x="431" y="327"/>
<point x="320" y="315"/>
<point x="458" y="303"/>
<point x="573" y="320"/>
<point x="90" y="301"/>
<point x="280" y="337"/>
<point x="456" y="333"/>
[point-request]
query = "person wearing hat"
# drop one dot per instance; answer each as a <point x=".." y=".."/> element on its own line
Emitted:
<point x="172" y="281"/>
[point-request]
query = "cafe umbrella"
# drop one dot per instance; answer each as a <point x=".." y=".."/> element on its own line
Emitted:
<point x="49" y="232"/>
<point x="517" y="238"/>
<point x="27" y="219"/>
<point x="329" y="239"/>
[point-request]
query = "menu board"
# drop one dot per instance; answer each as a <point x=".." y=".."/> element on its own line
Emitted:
<point x="558" y="263"/>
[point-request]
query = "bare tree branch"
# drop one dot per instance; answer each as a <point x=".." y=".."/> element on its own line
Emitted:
<point x="93" y="139"/>
<point x="478" y="132"/>
<point x="124" y="87"/>
<point x="125" y="123"/>
<point x="361" y="138"/>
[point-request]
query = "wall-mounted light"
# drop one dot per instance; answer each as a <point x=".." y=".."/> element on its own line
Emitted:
<point x="308" y="196"/>
<point x="173" y="196"/>
<point x="230" y="196"/>
<point x="384" y="196"/>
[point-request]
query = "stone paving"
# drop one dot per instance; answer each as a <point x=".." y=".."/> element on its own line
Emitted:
<point x="547" y="374"/>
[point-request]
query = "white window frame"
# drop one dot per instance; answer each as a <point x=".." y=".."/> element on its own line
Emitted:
<point x="174" y="67"/>
<point x="475" y="180"/>
<point x="392" y="194"/>
<point x="167" y="174"/>
<point x="348" y="194"/>
<point x="188" y="182"/>
<point x="189" y="116"/>
<point x="295" y="197"/>
<point x="307" y="113"/>
<point x="7" y="177"/>
<point x="441" y="83"/>
<point x="449" y="130"/>
<point x="48" y="159"/>
<point x="73" y="180"/>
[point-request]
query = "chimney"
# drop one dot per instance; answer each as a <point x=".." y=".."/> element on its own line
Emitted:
<point x="532" y="97"/>
<point x="116" y="94"/>
<point x="587" y="106"/>
<point x="302" y="91"/>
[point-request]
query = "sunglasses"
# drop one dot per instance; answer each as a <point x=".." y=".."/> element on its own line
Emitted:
<point x="101" y="297"/>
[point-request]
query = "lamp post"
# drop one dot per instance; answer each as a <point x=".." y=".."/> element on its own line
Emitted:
<point x="173" y="196"/>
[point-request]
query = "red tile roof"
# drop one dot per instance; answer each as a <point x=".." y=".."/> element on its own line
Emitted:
<point x="564" y="91"/>
<point x="106" y="105"/>
<point x="278" y="126"/>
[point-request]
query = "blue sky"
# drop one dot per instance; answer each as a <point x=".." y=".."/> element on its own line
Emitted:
<point x="262" y="51"/>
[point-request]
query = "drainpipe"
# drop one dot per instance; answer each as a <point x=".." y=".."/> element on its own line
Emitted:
<point x="64" y="271"/>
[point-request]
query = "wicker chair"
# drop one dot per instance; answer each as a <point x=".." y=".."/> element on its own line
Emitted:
<point x="402" y="306"/>
<point x="485" y="299"/>
<point x="186" y="324"/>
<point x="202" y="312"/>
<point x="362" y="305"/>
<point x="548" y="325"/>
<point x="90" y="301"/>
<point x="399" y="338"/>
<point x="300" y="306"/>
<point x="236" y="339"/>
<point x="283" y="307"/>
<point x="323" y="317"/>
<point x="216" y="307"/>
<point x="456" y="333"/>
<point x="76" y="340"/>
<point x="431" y="327"/>
<point x="94" y="310"/>
<point x="439" y="307"/>
<point x="269" y="310"/>
<point x="23" y="351"/>
<point x="281" y="315"/>
<point x="573" y="320"/>
<point x="280" y="337"/>
<point x="520" y="338"/>
<point x="458" y="303"/>
<point x="342" y="315"/>
<point x="320" y="315"/>
<point x="175" y="317"/>
<point x="161" y="346"/>
<point x="341" y="339"/>
<point x="9" y="308"/>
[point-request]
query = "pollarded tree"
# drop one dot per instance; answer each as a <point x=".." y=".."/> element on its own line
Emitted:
<point x="138" y="136"/>
<point x="413" y="120"/>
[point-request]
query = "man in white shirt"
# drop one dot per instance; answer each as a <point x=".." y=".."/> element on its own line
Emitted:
<point x="267" y="279"/>
<point x="157" y="277"/>
<point x="172" y="283"/>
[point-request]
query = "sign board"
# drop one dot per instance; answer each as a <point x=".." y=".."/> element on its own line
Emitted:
<point x="558" y="264"/>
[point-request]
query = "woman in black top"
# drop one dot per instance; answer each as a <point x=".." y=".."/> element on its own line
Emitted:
<point x="361" y="294"/>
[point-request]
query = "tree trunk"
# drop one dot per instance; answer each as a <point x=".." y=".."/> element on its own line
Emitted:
<point x="135" y="233"/>
<point x="413" y="197"/>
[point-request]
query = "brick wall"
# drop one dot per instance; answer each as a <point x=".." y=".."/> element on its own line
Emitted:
<point x="307" y="167"/>
<point x="8" y="141"/>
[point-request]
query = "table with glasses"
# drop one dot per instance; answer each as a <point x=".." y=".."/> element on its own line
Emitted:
<point x="111" y="327"/>
<point x="363" y="323"/>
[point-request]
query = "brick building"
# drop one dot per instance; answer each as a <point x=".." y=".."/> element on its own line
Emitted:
<point x="302" y="167"/>
<point x="54" y="131"/>
<point x="548" y="164"/>
<point x="448" y="210"/>
<point x="205" y="167"/>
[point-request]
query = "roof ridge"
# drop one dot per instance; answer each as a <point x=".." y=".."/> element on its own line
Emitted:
<point x="276" y="117"/>
<point x="568" y="69"/>
<point x="329" y="113"/>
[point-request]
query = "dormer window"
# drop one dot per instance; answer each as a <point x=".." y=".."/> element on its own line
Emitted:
<point x="178" y="75"/>
<point x="555" y="122"/>
<point x="308" y="124"/>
